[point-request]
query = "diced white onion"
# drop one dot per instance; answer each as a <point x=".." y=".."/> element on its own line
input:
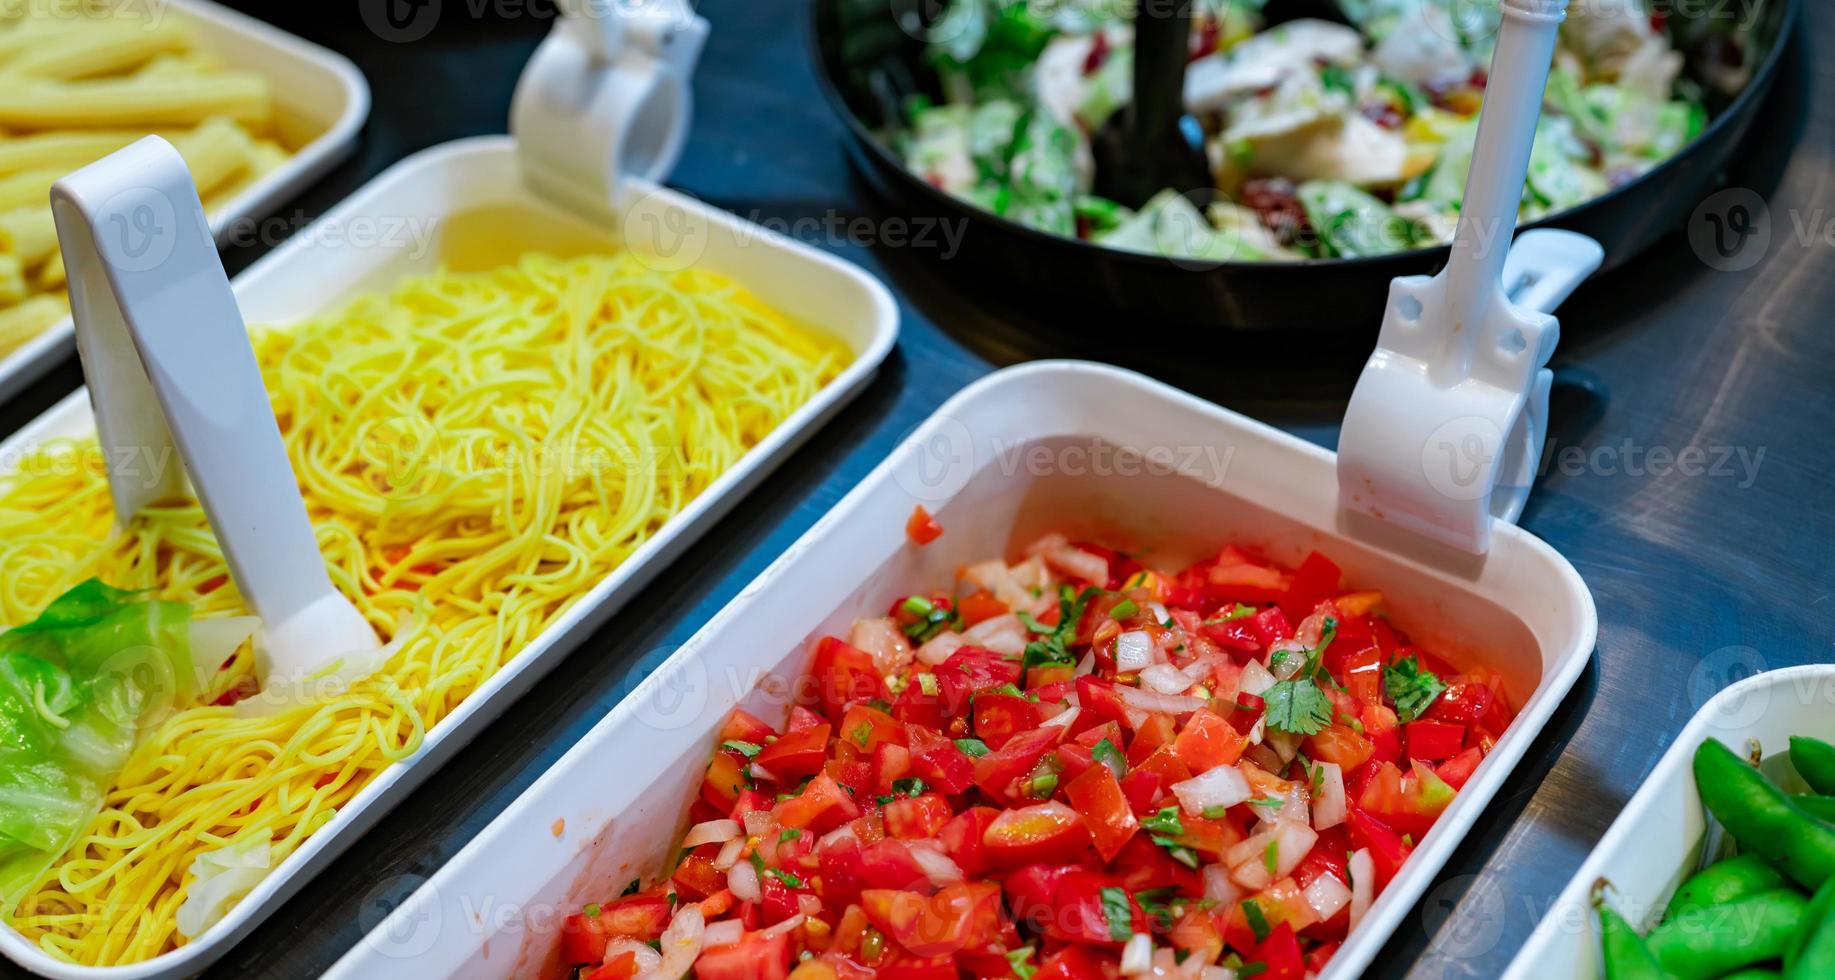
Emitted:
<point x="1137" y="955"/>
<point x="1362" y="869"/>
<point x="1063" y="719"/>
<point x="729" y="854"/>
<point x="937" y="866"/>
<point x="1252" y="874"/>
<point x="1004" y="635"/>
<point x="882" y="638"/>
<point x="938" y="648"/>
<point x="1085" y="666"/>
<point x="758" y="821"/>
<point x="681" y="944"/>
<point x="742" y="881"/>
<point x="711" y="832"/>
<point x="1217" y="973"/>
<point x="1330" y="806"/>
<point x="1160" y="615"/>
<point x="1256" y="732"/>
<point x="1293" y="842"/>
<point x="1285" y="744"/>
<point x="845" y="832"/>
<point x="1165" y="678"/>
<point x="1255" y="679"/>
<point x="722" y="933"/>
<point x="1133" y="651"/>
<point x="1327" y="895"/>
<point x="761" y="773"/>
<point x="1219" y="888"/>
<point x="780" y="928"/>
<point x="642" y="955"/>
<point x="1286" y="658"/>
<point x="808" y="904"/>
<point x="1250" y="848"/>
<point x="1134" y="697"/>
<point x="1223" y="786"/>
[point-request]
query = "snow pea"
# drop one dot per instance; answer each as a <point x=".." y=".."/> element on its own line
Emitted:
<point x="1820" y="807"/>
<point x="1761" y="818"/>
<point x="1814" y="760"/>
<point x="1724" y="881"/>
<point x="1626" y="956"/>
<point x="1705" y="943"/>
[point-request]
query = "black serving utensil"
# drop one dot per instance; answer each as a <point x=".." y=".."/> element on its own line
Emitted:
<point x="1150" y="144"/>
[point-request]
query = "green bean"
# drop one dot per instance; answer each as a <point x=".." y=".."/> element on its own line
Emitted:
<point x="1811" y="952"/>
<point x="1814" y="760"/>
<point x="1723" y="882"/>
<point x="1761" y="818"/>
<point x="1702" y="944"/>
<point x="1626" y="956"/>
<point x="1753" y="973"/>
<point x="1820" y="807"/>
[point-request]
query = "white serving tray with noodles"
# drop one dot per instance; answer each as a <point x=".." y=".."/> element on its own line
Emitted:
<point x="1085" y="449"/>
<point x="320" y="99"/>
<point x="463" y="206"/>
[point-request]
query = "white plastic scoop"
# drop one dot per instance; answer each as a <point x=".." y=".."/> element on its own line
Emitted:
<point x="170" y="365"/>
<point x="1446" y="427"/>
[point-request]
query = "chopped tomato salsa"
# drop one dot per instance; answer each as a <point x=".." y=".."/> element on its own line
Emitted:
<point x="1073" y="766"/>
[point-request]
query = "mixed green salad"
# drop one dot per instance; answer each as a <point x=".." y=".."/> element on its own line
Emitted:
<point x="1324" y="139"/>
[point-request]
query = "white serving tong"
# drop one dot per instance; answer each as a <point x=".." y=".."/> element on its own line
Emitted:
<point x="169" y="365"/>
<point x="1446" y="427"/>
<point x="605" y="96"/>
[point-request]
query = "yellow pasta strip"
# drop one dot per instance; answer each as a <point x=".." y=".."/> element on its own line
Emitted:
<point x="476" y="451"/>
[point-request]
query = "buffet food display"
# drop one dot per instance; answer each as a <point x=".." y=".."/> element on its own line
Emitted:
<point x="1325" y="139"/>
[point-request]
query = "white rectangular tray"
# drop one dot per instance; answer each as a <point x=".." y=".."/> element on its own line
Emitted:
<point x="1075" y="447"/>
<point x="475" y="212"/>
<point x="321" y="100"/>
<point x="1660" y="837"/>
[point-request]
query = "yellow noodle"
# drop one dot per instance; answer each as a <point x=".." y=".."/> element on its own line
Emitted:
<point x="476" y="451"/>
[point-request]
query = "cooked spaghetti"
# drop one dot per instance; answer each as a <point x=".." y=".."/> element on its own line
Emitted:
<point x="476" y="452"/>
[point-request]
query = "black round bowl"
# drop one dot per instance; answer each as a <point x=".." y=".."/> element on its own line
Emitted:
<point x="870" y="58"/>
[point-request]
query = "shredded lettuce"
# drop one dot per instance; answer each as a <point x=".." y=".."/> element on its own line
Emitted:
<point x="77" y="686"/>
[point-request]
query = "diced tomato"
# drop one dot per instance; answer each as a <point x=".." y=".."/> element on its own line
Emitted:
<point x="1072" y="760"/>
<point x="915" y="968"/>
<point x="999" y="717"/>
<point x="725" y="778"/>
<point x="1328" y="856"/>
<point x="1362" y="671"/>
<point x="957" y="917"/>
<point x="1210" y="838"/>
<point x="743" y="726"/>
<point x="841" y="675"/>
<point x="1408" y="803"/>
<point x="1384" y="733"/>
<point x="962" y="838"/>
<point x="1207" y="742"/>
<point x="1459" y="768"/>
<point x="920" y="817"/>
<point x="1339" y="744"/>
<point x="1320" y="956"/>
<point x="1143" y="790"/>
<point x="1143" y="865"/>
<point x="695" y="878"/>
<point x="1101" y="701"/>
<point x="583" y="939"/>
<point x="890" y="864"/>
<point x="1094" y="908"/>
<point x="796" y="754"/>
<point x="801" y="718"/>
<point x="1387" y="849"/>
<point x="755" y="956"/>
<point x="939" y="762"/>
<point x="1039" y="834"/>
<point x="922" y="528"/>
<point x="1239" y="580"/>
<point x="1280" y="953"/>
<point x="1315" y="581"/>
<point x="1462" y="703"/>
<point x="868" y="727"/>
<point x="1196" y="932"/>
<point x="1077" y="962"/>
<point x="1165" y="762"/>
<point x="969" y="671"/>
<point x="1271" y="626"/>
<point x="891" y="763"/>
<point x="997" y="771"/>
<point x="978" y="607"/>
<point x="822" y="806"/>
<point x="777" y="901"/>
<point x="1153" y="733"/>
<point x="1105" y="811"/>
<point x="1433" y="741"/>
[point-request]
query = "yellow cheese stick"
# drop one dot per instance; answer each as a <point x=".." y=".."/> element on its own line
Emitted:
<point x="266" y="156"/>
<point x="12" y="280"/>
<point x="29" y="234"/>
<point x="43" y="151"/>
<point x="29" y="189"/>
<point x="103" y="50"/>
<point x="52" y="275"/>
<point x="216" y="152"/>
<point x="21" y="323"/>
<point x="163" y="100"/>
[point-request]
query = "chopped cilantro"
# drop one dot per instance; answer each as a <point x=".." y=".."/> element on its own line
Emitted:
<point x="1106" y="753"/>
<point x="1271" y="858"/>
<point x="1054" y="646"/>
<point x="747" y="749"/>
<point x="1123" y="610"/>
<point x="1177" y="851"/>
<point x="1258" y="923"/>
<point x="1119" y="913"/>
<point x="1019" y="961"/>
<point x="862" y="734"/>
<point x="789" y="880"/>
<point x="788" y="834"/>
<point x="974" y="748"/>
<point x="1272" y="802"/>
<point x="1160" y="905"/>
<point x="592" y="911"/>
<point x="1215" y="812"/>
<point x="1297" y="707"/>
<point x="1239" y="612"/>
<point x="1412" y="687"/>
<point x="758" y="862"/>
<point x="1166" y="821"/>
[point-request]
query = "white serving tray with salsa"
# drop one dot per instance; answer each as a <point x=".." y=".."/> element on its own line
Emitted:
<point x="321" y="101"/>
<point x="1661" y="836"/>
<point x="464" y="206"/>
<point x="995" y="466"/>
